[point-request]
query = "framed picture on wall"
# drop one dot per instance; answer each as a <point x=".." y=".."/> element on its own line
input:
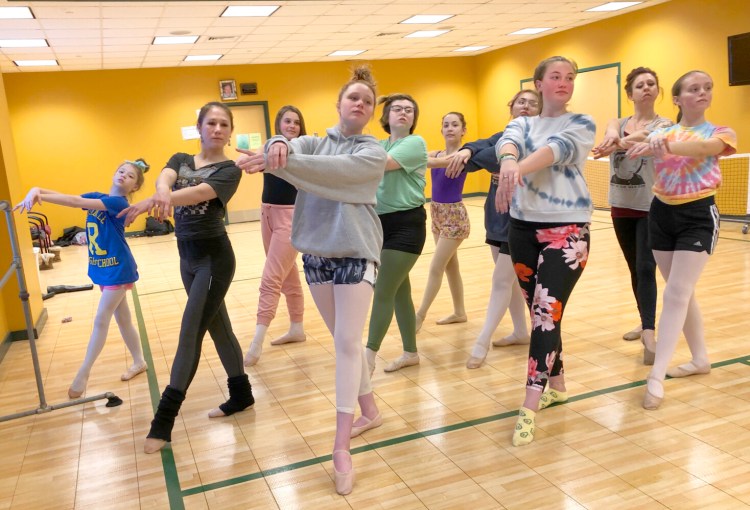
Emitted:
<point x="227" y="90"/>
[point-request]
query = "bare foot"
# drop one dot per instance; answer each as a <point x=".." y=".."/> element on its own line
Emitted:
<point x="451" y="319"/>
<point x="153" y="445"/>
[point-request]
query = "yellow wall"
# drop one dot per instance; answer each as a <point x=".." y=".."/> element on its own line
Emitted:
<point x="11" y="311"/>
<point x="671" y="38"/>
<point x="74" y="128"/>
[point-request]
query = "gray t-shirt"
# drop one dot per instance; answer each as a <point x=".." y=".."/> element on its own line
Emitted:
<point x="206" y="219"/>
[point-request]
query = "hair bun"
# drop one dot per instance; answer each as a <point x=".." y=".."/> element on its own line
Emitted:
<point x="141" y="164"/>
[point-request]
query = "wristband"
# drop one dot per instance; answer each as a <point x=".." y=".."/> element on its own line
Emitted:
<point x="507" y="155"/>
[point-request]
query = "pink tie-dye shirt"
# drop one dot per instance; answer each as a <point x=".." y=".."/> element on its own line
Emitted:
<point x="681" y="179"/>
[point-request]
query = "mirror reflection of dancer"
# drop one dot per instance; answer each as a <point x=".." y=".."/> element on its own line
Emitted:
<point x="684" y="222"/>
<point x="450" y="223"/>
<point x="111" y="264"/>
<point x="336" y="228"/>
<point x="199" y="187"/>
<point x="541" y="181"/>
<point x="505" y="293"/>
<point x="630" y="196"/>
<point x="280" y="273"/>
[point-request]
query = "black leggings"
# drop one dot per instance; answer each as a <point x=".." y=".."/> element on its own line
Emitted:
<point x="548" y="259"/>
<point x="207" y="267"/>
<point x="632" y="234"/>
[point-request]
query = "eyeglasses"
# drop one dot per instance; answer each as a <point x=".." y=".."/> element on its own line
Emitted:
<point x="399" y="109"/>
<point x="524" y="102"/>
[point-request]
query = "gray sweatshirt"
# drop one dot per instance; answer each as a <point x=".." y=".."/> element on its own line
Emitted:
<point x="337" y="178"/>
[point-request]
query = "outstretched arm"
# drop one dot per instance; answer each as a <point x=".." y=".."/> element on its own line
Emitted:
<point x="40" y="195"/>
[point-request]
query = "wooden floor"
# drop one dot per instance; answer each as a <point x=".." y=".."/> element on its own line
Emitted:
<point x="445" y="441"/>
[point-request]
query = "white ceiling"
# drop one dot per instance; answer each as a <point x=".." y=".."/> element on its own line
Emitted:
<point x="118" y="35"/>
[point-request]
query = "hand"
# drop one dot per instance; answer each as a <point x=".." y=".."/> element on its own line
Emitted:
<point x="509" y="177"/>
<point x="610" y="144"/>
<point x="250" y="162"/>
<point x="160" y="204"/>
<point x="33" y="197"/>
<point x="659" y="146"/>
<point x="276" y="156"/>
<point x="457" y="164"/>
<point x="135" y="210"/>
<point x="639" y="150"/>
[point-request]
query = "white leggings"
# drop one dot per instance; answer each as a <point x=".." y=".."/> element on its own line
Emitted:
<point x="344" y="309"/>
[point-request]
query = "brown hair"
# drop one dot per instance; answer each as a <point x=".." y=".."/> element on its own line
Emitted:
<point x="214" y="104"/>
<point x="542" y="67"/>
<point x="635" y="73"/>
<point x="363" y="75"/>
<point x="386" y="101"/>
<point x="677" y="87"/>
<point x="457" y="114"/>
<point x="141" y="167"/>
<point x="518" y="94"/>
<point x="280" y="115"/>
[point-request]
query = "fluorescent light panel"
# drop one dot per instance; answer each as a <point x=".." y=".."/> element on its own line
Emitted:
<point x="23" y="43"/>
<point x="182" y="39"/>
<point x="613" y="6"/>
<point x="193" y="58"/>
<point x="346" y="53"/>
<point x="529" y="31"/>
<point x="249" y="11"/>
<point x="427" y="33"/>
<point x="471" y="48"/>
<point x="16" y="13"/>
<point x="427" y="18"/>
<point x="32" y="63"/>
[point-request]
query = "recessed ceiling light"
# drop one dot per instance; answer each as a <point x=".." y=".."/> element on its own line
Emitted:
<point x="427" y="33"/>
<point x="346" y="53"/>
<point x="427" y="18"/>
<point x="471" y="48"/>
<point x="249" y="10"/>
<point x="529" y="31"/>
<point x="192" y="58"/>
<point x="31" y="63"/>
<point x="613" y="6"/>
<point x="188" y="39"/>
<point x="16" y="13"/>
<point x="23" y="43"/>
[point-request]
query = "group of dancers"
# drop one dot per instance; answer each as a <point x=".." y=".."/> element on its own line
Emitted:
<point x="354" y="207"/>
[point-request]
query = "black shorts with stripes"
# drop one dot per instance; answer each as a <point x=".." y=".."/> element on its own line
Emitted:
<point x="693" y="226"/>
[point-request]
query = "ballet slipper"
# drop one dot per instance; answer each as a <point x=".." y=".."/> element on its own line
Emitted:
<point x="133" y="371"/>
<point x="649" y="347"/>
<point x="367" y="425"/>
<point x="551" y="396"/>
<point x="512" y="339"/>
<point x="525" y="427"/>
<point x="633" y="334"/>
<point x="688" y="369"/>
<point x="407" y="359"/>
<point x="289" y="339"/>
<point x="452" y="319"/>
<point x="651" y="401"/>
<point x="344" y="481"/>
<point x="253" y="354"/>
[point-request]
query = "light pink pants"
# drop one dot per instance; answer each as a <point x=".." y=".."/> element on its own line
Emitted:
<point x="280" y="273"/>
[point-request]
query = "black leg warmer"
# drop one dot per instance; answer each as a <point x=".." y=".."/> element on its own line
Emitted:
<point x="240" y="395"/>
<point x="169" y="406"/>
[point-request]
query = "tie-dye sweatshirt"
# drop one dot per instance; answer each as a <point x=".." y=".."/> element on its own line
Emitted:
<point x="558" y="193"/>
<point x="682" y="179"/>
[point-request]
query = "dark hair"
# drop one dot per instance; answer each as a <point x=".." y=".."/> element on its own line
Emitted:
<point x="457" y="114"/>
<point x="293" y="109"/>
<point x="141" y="168"/>
<point x="635" y="73"/>
<point x="542" y="67"/>
<point x="677" y="88"/>
<point x="386" y="101"/>
<point x="363" y="75"/>
<point x="214" y="104"/>
<point x="518" y="94"/>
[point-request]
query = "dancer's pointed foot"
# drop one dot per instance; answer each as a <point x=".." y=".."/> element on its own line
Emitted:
<point x="452" y="319"/>
<point x="512" y="339"/>
<point x="344" y="480"/>
<point x="654" y="394"/>
<point x="137" y="368"/>
<point x="420" y="321"/>
<point x="688" y="369"/>
<point x="525" y="427"/>
<point x="289" y="338"/>
<point x="253" y="354"/>
<point x="649" y="346"/>
<point x="633" y="334"/>
<point x="153" y="445"/>
<point x="475" y="362"/>
<point x="78" y="386"/>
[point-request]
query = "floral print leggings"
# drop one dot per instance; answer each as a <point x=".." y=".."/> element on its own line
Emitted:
<point x="548" y="259"/>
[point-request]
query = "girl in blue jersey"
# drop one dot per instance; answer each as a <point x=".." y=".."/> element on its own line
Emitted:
<point x="111" y="264"/>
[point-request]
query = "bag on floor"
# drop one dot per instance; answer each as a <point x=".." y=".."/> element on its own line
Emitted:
<point x="155" y="227"/>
